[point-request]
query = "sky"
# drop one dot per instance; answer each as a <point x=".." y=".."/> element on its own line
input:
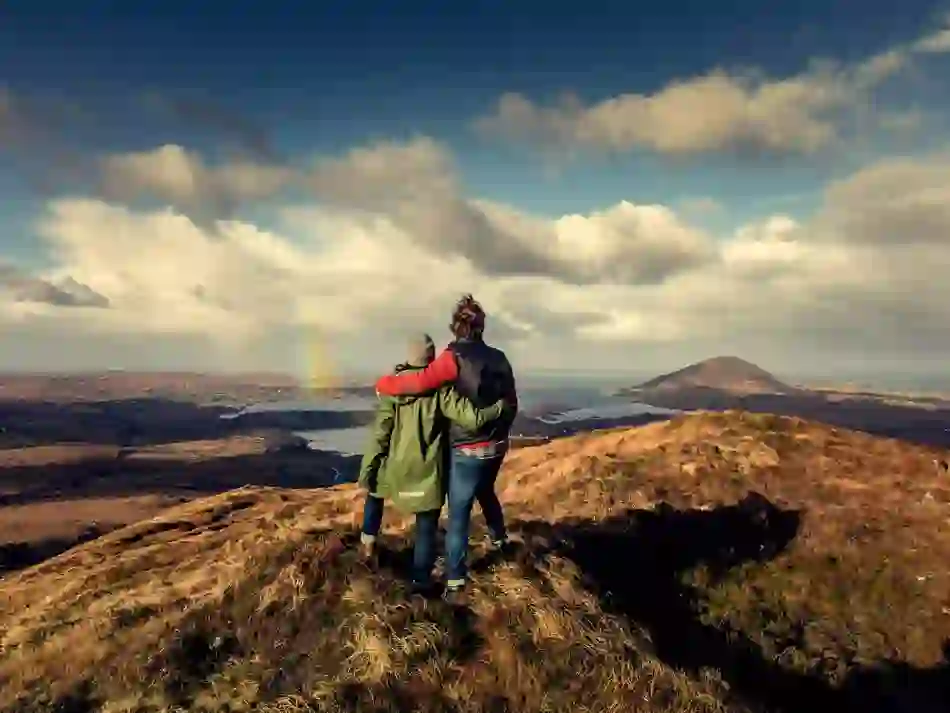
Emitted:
<point x="626" y="187"/>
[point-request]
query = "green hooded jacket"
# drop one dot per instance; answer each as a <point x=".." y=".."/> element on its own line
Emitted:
<point x="408" y="455"/>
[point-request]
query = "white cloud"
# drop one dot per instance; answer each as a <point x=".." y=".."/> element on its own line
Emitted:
<point x="182" y="179"/>
<point x="390" y="237"/>
<point x="24" y="289"/>
<point x="411" y="189"/>
<point x="373" y="256"/>
<point x="895" y="202"/>
<point x="162" y="273"/>
<point x="716" y="111"/>
<point x="867" y="275"/>
<point x="713" y="112"/>
<point x="936" y="43"/>
<point x="639" y="244"/>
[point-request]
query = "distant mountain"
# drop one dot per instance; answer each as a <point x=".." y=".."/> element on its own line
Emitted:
<point x="727" y="374"/>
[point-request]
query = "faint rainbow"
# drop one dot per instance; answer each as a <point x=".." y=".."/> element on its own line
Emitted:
<point x="318" y="367"/>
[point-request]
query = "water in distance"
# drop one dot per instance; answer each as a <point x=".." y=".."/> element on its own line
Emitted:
<point x="342" y="424"/>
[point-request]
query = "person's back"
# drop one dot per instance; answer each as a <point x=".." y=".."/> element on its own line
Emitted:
<point x="484" y="376"/>
<point x="415" y="460"/>
<point x="481" y="373"/>
<point x="408" y="458"/>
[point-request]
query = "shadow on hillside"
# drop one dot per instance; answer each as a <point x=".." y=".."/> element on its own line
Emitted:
<point x="635" y="563"/>
<point x="20" y="555"/>
<point x="141" y="475"/>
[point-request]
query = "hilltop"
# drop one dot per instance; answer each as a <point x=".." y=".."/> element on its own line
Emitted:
<point x="715" y="562"/>
<point x="730" y="383"/>
<point x="724" y="373"/>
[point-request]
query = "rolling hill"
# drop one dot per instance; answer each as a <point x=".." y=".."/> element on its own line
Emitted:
<point x="714" y="562"/>
<point x="724" y="373"/>
<point x="731" y="383"/>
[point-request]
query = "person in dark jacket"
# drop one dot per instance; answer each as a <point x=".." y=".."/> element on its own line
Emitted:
<point x="407" y="458"/>
<point x="484" y="375"/>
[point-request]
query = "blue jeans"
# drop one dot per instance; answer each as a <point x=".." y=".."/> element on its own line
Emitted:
<point x="424" y="546"/>
<point x="470" y="479"/>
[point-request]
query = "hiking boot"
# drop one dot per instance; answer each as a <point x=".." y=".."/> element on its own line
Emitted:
<point x="369" y="555"/>
<point x="501" y="545"/>
<point x="455" y="594"/>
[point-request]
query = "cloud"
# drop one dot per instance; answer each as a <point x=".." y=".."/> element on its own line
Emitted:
<point x="352" y="267"/>
<point x="183" y="180"/>
<point x="897" y="202"/>
<point x="717" y="111"/>
<point x="865" y="276"/>
<point x="936" y="43"/>
<point x="415" y="188"/>
<point x="714" y="112"/>
<point x="387" y="241"/>
<point x="58" y="146"/>
<point x="412" y="188"/>
<point x="163" y="273"/>
<point x="632" y="244"/>
<point x="20" y="287"/>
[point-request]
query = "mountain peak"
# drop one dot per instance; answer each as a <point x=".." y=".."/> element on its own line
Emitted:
<point x="723" y="373"/>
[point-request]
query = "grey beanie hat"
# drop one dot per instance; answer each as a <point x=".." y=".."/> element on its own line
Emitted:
<point x="421" y="350"/>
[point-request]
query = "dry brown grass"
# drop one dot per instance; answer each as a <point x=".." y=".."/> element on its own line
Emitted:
<point x="255" y="600"/>
<point x="876" y="530"/>
<point x="68" y="519"/>
<point x="59" y="454"/>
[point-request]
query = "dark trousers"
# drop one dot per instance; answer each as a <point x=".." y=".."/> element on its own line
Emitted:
<point x="470" y="479"/>
<point x="424" y="545"/>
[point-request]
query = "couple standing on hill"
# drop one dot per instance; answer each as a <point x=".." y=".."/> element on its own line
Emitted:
<point x="441" y="428"/>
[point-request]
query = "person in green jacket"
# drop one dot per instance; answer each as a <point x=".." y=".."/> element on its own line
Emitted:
<point x="407" y="460"/>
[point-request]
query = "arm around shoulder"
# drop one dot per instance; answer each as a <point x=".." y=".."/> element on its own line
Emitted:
<point x="443" y="370"/>
<point x="460" y="409"/>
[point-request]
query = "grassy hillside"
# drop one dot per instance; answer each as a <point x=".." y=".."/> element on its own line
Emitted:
<point x="716" y="562"/>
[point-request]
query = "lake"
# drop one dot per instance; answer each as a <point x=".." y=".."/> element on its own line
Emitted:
<point x="545" y="410"/>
